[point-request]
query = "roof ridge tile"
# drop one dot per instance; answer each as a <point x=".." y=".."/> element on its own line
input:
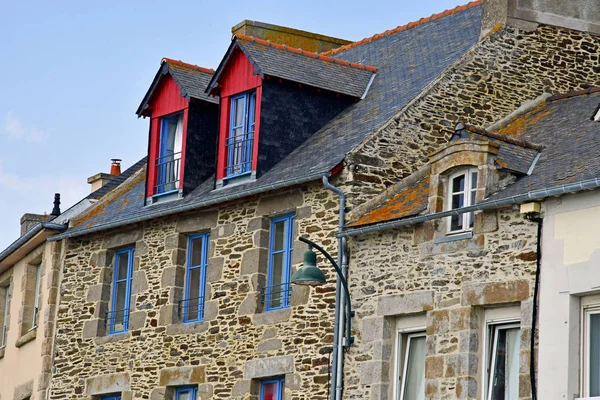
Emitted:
<point x="404" y="27"/>
<point x="179" y="63"/>
<point x="310" y="54"/>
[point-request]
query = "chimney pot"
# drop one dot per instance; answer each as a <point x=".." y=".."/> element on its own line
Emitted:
<point x="115" y="167"/>
<point x="56" y="210"/>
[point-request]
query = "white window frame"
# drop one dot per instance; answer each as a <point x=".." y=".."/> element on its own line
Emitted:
<point x="589" y="307"/>
<point x="4" y="332"/>
<point x="36" y="297"/>
<point x="407" y="327"/>
<point x="504" y="316"/>
<point x="466" y="217"/>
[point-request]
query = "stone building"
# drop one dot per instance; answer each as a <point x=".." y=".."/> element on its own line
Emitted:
<point x="176" y="284"/>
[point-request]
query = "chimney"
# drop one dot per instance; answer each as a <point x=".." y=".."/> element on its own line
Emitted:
<point x="28" y="221"/>
<point x="100" y="179"/>
<point x="56" y="210"/>
<point x="291" y="37"/>
<point x="115" y="167"/>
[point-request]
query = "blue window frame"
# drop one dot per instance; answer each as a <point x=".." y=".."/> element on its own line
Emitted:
<point x="277" y="292"/>
<point x="241" y="134"/>
<point x="195" y="279"/>
<point x="118" y="317"/>
<point x="169" y="154"/>
<point x="272" y="389"/>
<point x="186" y="393"/>
<point x="111" y="397"/>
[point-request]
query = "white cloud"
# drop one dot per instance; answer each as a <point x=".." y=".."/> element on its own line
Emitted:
<point x="14" y="129"/>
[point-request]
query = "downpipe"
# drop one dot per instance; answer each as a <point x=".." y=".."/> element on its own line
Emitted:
<point x="532" y="371"/>
<point x="338" y="332"/>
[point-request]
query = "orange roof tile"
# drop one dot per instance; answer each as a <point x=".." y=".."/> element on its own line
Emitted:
<point x="404" y="27"/>
<point x="181" y="64"/>
<point x="306" y="53"/>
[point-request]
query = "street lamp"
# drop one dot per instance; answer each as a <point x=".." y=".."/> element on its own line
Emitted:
<point x="310" y="275"/>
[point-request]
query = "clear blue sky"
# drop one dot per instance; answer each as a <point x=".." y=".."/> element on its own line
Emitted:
<point x="72" y="74"/>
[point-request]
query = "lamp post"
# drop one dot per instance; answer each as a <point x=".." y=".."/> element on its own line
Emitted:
<point x="310" y="275"/>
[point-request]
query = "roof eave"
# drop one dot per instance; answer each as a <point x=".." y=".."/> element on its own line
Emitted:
<point x="28" y="242"/>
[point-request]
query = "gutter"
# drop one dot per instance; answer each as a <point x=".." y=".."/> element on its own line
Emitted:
<point x="30" y="234"/>
<point x="588" y="184"/>
<point x="189" y="207"/>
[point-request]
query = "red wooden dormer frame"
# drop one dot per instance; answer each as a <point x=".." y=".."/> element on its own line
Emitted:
<point x="166" y="100"/>
<point x="239" y="77"/>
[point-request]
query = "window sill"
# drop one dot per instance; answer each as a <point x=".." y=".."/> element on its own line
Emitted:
<point x="113" y="337"/>
<point x="187" y="328"/>
<point x="26" y="338"/>
<point x="453" y="237"/>
<point x="273" y="316"/>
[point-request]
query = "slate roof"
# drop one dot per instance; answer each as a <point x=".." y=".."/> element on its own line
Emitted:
<point x="191" y="79"/>
<point x="117" y="180"/>
<point x="570" y="137"/>
<point x="305" y="67"/>
<point x="406" y="60"/>
<point x="567" y="141"/>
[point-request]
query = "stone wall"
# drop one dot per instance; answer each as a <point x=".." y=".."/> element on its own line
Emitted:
<point x="449" y="284"/>
<point x="235" y="346"/>
<point x="505" y="70"/>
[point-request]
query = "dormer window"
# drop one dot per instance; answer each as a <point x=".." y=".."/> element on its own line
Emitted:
<point x="461" y="193"/>
<point x="169" y="154"/>
<point x="241" y="134"/>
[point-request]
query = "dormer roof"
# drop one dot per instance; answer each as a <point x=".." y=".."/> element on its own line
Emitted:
<point x="191" y="79"/>
<point x="299" y="66"/>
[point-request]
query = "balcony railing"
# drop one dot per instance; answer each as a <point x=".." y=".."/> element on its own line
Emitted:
<point x="167" y="173"/>
<point x="276" y="296"/>
<point x="191" y="309"/>
<point x="239" y="154"/>
<point x="117" y="320"/>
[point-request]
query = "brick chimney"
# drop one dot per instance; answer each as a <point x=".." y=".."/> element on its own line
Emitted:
<point x="304" y="40"/>
<point x="100" y="179"/>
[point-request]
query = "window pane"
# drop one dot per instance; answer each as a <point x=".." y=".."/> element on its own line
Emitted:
<point x="279" y="232"/>
<point x="458" y="184"/>
<point x="269" y="391"/>
<point x="184" y="395"/>
<point x="414" y="384"/>
<point x="171" y="129"/>
<point x="193" y="293"/>
<point x="123" y="261"/>
<point x="251" y="112"/>
<point x="458" y="201"/>
<point x="238" y="118"/>
<point x="473" y="180"/>
<point x="505" y="382"/>
<point x="196" y="258"/>
<point x="594" y="339"/>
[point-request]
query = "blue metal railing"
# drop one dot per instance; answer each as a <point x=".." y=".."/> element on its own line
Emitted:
<point x="239" y="154"/>
<point x="192" y="306"/>
<point x="117" y="320"/>
<point x="276" y="296"/>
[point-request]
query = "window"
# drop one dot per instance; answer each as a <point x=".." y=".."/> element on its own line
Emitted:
<point x="36" y="297"/>
<point x="241" y="134"/>
<point x="118" y="317"/>
<point x="111" y="397"/>
<point x="195" y="279"/>
<point x="185" y="393"/>
<point x="277" y="292"/>
<point x="591" y="351"/>
<point x="502" y="361"/>
<point x="169" y="154"/>
<point x="272" y="389"/>
<point x="4" y="316"/>
<point x="461" y="193"/>
<point x="410" y="359"/>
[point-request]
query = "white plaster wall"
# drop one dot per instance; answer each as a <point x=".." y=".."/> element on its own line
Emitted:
<point x="22" y="364"/>
<point x="570" y="269"/>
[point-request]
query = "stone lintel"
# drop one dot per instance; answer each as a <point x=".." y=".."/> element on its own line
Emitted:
<point x="106" y="384"/>
<point x="179" y="376"/>
<point x="284" y="202"/>
<point x="405" y="304"/>
<point x="495" y="293"/>
<point x="268" y="367"/>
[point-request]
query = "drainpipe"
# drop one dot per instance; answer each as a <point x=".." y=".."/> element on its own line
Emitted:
<point x="338" y="333"/>
<point x="532" y="370"/>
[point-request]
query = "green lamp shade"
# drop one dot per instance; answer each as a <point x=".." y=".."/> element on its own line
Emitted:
<point x="309" y="274"/>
